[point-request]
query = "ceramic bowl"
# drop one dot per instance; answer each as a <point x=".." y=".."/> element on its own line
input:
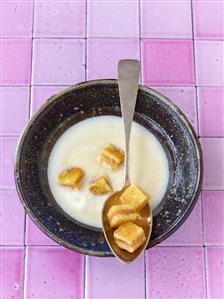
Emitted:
<point x="155" y="112"/>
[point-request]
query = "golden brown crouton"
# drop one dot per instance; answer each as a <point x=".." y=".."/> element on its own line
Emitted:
<point x="129" y="236"/>
<point x="112" y="157"/>
<point x="100" y="186"/>
<point x="71" y="177"/>
<point x="119" y="214"/>
<point x="135" y="197"/>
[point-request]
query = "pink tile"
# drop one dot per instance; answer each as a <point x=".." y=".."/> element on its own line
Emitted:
<point x="213" y="210"/>
<point x="167" y="62"/>
<point x="8" y="148"/>
<point x="41" y="93"/>
<point x="190" y="233"/>
<point x="113" y="19"/>
<point x="160" y="12"/>
<point x="14" y="103"/>
<point x="59" y="19"/>
<point x="34" y="236"/>
<point x="108" y="278"/>
<point x="176" y="273"/>
<point x="15" y="62"/>
<point x="184" y="98"/>
<point x="16" y="19"/>
<point x="101" y="64"/>
<point x="58" y="61"/>
<point x="215" y="272"/>
<point x="53" y="272"/>
<point x="213" y="150"/>
<point x="209" y="62"/>
<point x="11" y="261"/>
<point x="211" y="111"/>
<point x="208" y="19"/>
<point x="11" y="219"/>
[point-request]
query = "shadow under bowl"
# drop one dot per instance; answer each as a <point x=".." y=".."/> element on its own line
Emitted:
<point x="155" y="112"/>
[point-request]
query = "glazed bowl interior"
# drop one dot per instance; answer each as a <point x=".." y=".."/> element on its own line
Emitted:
<point x="153" y="111"/>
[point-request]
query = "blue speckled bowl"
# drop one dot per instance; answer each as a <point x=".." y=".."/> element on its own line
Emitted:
<point x="154" y="112"/>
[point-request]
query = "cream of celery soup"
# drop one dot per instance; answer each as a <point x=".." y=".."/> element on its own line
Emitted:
<point x="80" y="145"/>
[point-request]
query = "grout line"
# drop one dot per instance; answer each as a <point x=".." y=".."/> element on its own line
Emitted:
<point x="29" y="109"/>
<point x="7" y="189"/>
<point x="212" y="190"/>
<point x="139" y="32"/>
<point x="203" y="248"/>
<point x="24" y="272"/>
<point x="197" y="103"/>
<point x="154" y="247"/>
<point x="24" y="228"/>
<point x="203" y="239"/>
<point x="33" y="245"/>
<point x="147" y="85"/>
<point x="86" y="26"/>
<point x="145" y="275"/>
<point x="31" y="63"/>
<point x="206" y="271"/>
<point x="207" y="137"/>
<point x="109" y="37"/>
<point x="198" y="131"/>
<point x="84" y="277"/>
<point x="8" y="135"/>
<point x="194" y="60"/>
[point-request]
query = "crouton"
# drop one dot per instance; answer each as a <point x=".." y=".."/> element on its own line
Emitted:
<point x="71" y="177"/>
<point x="112" y="157"/>
<point x="129" y="236"/>
<point x="135" y="197"/>
<point x="119" y="214"/>
<point x="100" y="185"/>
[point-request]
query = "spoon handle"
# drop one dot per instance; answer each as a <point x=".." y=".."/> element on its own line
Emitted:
<point x="128" y="79"/>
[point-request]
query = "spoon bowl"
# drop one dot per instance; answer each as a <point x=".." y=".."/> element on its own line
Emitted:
<point x="144" y="221"/>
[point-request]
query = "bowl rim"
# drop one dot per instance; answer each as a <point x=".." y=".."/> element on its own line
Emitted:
<point x="147" y="90"/>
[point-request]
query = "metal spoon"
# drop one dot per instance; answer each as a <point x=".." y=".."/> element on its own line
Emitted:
<point x="128" y="78"/>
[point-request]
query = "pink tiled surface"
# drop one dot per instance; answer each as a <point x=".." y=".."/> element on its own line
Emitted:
<point x="15" y="65"/>
<point x="112" y="18"/>
<point x="8" y="148"/>
<point x="106" y="271"/>
<point x="45" y="47"/>
<point x="54" y="281"/>
<point x="209" y="57"/>
<point x="59" y="19"/>
<point x="213" y="210"/>
<point x="168" y="62"/>
<point x="57" y="62"/>
<point x="181" y="279"/>
<point x="211" y="111"/>
<point x="156" y="12"/>
<point x="14" y="104"/>
<point x="12" y="219"/>
<point x="99" y="53"/>
<point x="208" y="18"/>
<point x="12" y="269"/>
<point x="215" y="272"/>
<point x="17" y="18"/>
